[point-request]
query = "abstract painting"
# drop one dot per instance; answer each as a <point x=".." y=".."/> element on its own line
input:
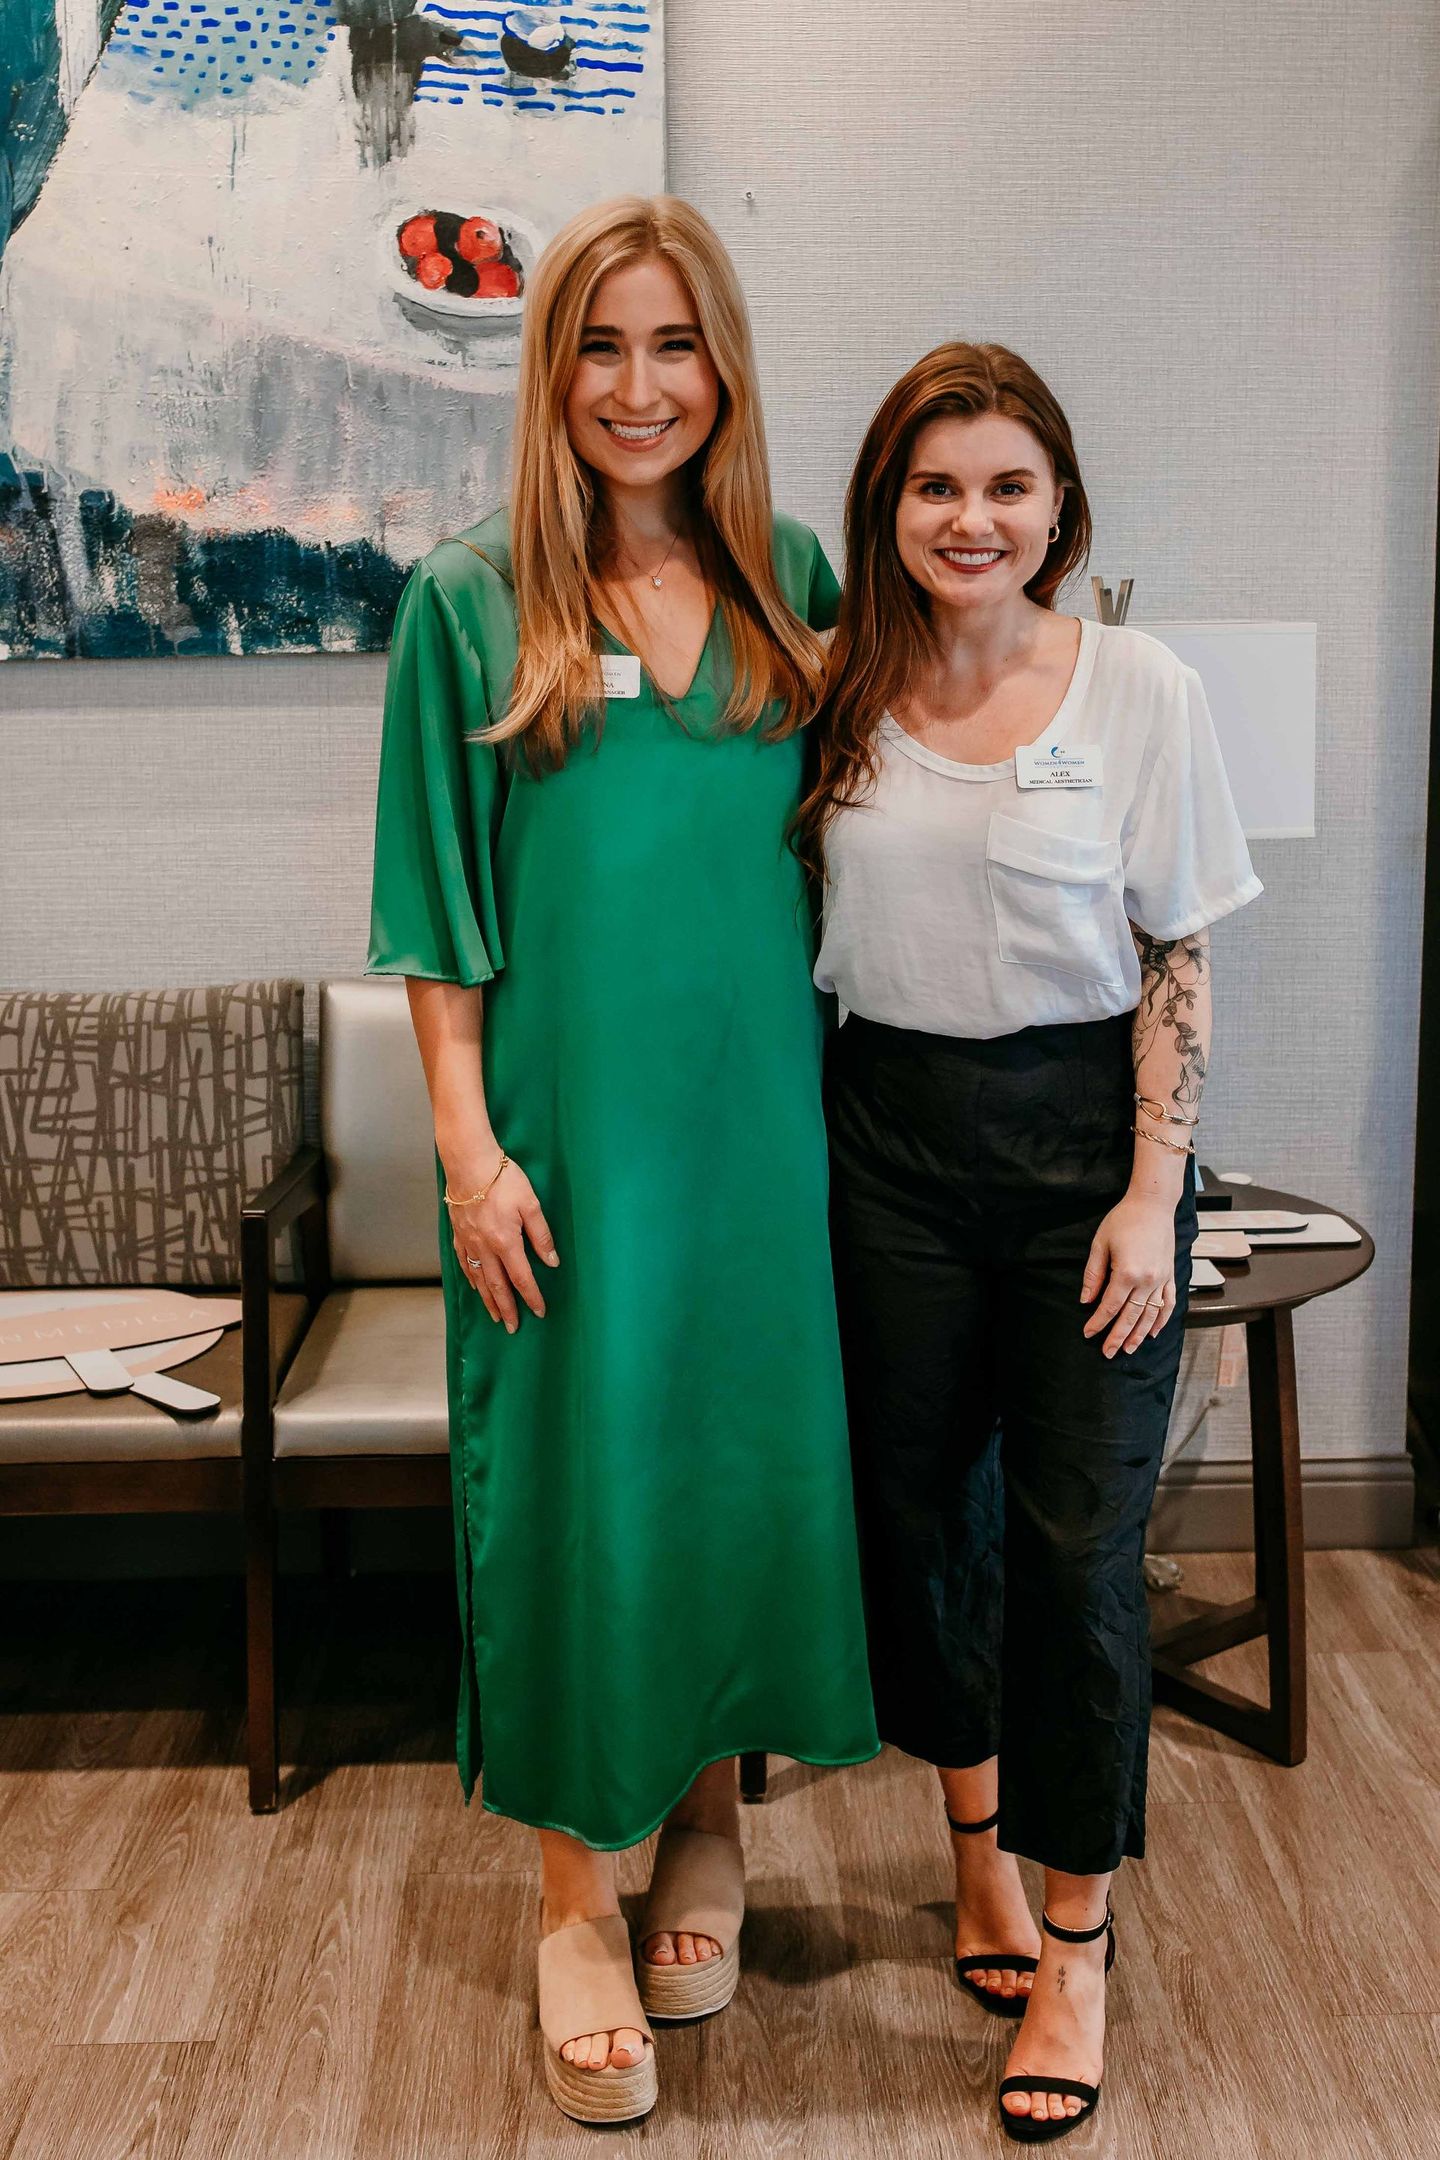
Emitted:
<point x="262" y="274"/>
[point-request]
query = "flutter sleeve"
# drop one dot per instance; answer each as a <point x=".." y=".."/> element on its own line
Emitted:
<point x="440" y="800"/>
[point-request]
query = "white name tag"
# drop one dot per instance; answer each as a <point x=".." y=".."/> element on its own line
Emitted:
<point x="1058" y="765"/>
<point x="620" y="674"/>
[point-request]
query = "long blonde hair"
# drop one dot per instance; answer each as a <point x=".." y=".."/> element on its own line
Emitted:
<point x="557" y="512"/>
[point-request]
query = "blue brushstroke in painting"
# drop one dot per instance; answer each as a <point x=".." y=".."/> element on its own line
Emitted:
<point x="272" y="41"/>
<point x="622" y="26"/>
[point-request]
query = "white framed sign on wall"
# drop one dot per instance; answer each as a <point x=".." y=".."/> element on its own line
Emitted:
<point x="1259" y="681"/>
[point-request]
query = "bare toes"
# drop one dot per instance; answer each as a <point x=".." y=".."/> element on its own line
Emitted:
<point x="627" y="2050"/>
<point x="1016" y="2103"/>
<point x="660" y="1950"/>
<point x="687" y="1950"/>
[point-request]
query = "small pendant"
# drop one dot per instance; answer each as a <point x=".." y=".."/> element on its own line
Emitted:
<point x="656" y="583"/>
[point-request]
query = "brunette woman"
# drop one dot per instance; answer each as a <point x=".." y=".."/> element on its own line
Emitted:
<point x="1026" y="831"/>
<point x="590" y="759"/>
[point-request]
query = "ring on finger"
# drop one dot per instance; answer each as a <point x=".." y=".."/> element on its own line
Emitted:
<point x="473" y="1261"/>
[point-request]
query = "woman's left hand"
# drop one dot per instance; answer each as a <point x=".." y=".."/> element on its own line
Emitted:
<point x="1134" y="1248"/>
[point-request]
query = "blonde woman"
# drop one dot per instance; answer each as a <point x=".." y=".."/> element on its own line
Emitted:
<point x="591" y="754"/>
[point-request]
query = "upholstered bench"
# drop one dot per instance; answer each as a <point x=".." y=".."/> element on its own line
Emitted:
<point x="132" y="1126"/>
<point x="359" y="1419"/>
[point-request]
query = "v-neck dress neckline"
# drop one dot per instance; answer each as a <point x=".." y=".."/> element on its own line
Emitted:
<point x="700" y="680"/>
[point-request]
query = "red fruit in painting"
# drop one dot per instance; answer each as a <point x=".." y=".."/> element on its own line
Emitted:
<point x="497" y="281"/>
<point x="432" y="271"/>
<point x="417" y="237"/>
<point x="479" y="240"/>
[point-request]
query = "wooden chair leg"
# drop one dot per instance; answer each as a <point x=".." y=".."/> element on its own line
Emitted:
<point x="262" y="1713"/>
<point x="1279" y="1525"/>
<point x="754" y="1777"/>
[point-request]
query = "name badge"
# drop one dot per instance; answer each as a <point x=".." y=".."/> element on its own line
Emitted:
<point x="620" y="675"/>
<point x="1056" y="765"/>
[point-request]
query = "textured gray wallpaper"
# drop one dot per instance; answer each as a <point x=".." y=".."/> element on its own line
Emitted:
<point x="1214" y="229"/>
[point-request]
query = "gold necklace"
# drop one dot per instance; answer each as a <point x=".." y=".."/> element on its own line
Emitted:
<point x="655" y="576"/>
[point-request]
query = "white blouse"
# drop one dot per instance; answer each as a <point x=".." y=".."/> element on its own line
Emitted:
<point x="960" y="903"/>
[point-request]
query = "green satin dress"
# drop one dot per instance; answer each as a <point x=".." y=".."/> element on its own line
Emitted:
<point x="655" y="1537"/>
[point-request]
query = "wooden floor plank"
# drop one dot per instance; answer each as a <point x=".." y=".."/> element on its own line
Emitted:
<point x="460" y="1945"/>
<point x="298" y="2038"/>
<point x="159" y="1931"/>
<point x="112" y="2103"/>
<point x="42" y="1936"/>
<point x="66" y="1810"/>
<point x="452" y="1839"/>
<point x="1387" y="2074"/>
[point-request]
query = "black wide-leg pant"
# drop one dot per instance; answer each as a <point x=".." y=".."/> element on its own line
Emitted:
<point x="1004" y="1467"/>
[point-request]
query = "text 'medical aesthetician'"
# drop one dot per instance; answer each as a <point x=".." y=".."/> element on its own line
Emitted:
<point x="1025" y="829"/>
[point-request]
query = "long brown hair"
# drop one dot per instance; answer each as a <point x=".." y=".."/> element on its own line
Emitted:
<point x="557" y="512"/>
<point x="885" y="636"/>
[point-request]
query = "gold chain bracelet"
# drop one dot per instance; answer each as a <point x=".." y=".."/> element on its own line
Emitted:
<point x="451" y="1200"/>
<point x="1171" y="1147"/>
<point x="1159" y="1115"/>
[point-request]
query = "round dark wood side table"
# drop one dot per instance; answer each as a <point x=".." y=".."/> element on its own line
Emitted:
<point x="1260" y="1294"/>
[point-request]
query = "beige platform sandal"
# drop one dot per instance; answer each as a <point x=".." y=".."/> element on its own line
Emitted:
<point x="698" y="1888"/>
<point x="587" y="1985"/>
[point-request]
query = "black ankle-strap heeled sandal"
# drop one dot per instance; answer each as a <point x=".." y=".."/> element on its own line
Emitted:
<point x="1024" y="2128"/>
<point x="1006" y="2006"/>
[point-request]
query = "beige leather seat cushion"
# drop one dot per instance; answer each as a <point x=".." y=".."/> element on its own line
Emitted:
<point x="126" y="1428"/>
<point x="369" y="1378"/>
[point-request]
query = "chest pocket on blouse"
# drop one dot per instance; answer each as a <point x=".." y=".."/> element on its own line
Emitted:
<point x="1058" y="899"/>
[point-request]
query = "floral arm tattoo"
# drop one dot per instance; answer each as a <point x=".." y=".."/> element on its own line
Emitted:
<point x="1172" y="1020"/>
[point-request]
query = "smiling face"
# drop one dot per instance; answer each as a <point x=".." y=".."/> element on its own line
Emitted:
<point x="973" y="520"/>
<point x="645" y="393"/>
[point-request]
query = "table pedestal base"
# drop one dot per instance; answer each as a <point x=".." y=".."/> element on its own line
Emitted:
<point x="1277" y="1610"/>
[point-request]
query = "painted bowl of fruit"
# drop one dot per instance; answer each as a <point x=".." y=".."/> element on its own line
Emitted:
<point x="466" y="265"/>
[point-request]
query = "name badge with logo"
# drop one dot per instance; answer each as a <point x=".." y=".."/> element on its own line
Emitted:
<point x="620" y="675"/>
<point x="1058" y="765"/>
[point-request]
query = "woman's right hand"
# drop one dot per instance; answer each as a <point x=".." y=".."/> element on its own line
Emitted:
<point x="490" y="1245"/>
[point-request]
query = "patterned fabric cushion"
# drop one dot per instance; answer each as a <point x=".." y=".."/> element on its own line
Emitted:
<point x="134" y="1124"/>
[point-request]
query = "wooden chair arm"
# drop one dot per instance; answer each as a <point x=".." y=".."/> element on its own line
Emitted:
<point x="294" y="1198"/>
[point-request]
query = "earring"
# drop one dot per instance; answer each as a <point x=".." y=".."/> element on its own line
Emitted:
<point x="1055" y="530"/>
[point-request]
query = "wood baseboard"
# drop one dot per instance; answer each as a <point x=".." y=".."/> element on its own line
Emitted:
<point x="1365" y="1501"/>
